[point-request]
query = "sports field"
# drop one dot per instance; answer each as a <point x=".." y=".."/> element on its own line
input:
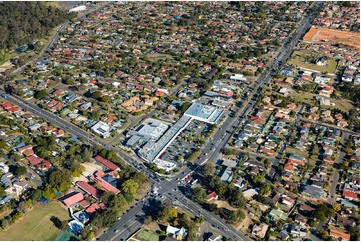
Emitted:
<point x="36" y="224"/>
<point x="316" y="34"/>
<point x="144" y="235"/>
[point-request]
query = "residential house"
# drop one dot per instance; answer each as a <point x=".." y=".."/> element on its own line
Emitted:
<point x="94" y="208"/>
<point x="178" y="234"/>
<point x="260" y="230"/>
<point x="89" y="189"/>
<point x="339" y="235"/>
<point x="108" y="165"/>
<point x="302" y="220"/>
<point x="277" y="214"/>
<point x="212" y="196"/>
<point x="71" y="199"/>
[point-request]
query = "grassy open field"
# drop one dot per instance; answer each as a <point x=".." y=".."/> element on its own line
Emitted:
<point x="307" y="97"/>
<point x="155" y="57"/>
<point x="36" y="224"/>
<point x="299" y="59"/>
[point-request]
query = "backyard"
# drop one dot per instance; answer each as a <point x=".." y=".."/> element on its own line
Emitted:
<point x="156" y="57"/>
<point x="309" y="98"/>
<point x="36" y="224"/>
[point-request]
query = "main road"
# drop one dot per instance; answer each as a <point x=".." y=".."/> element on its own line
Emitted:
<point x="165" y="187"/>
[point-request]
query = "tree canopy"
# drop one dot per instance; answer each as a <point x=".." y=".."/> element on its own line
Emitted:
<point x="22" y="22"/>
<point x="130" y="186"/>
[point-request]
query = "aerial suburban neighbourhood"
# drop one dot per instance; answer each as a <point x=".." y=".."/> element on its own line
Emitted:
<point x="198" y="121"/>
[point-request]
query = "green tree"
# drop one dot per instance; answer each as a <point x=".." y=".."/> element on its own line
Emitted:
<point x="140" y="178"/>
<point x="40" y="94"/>
<point x="337" y="207"/>
<point x="20" y="171"/>
<point x="200" y="194"/>
<point x="173" y="213"/>
<point x="2" y="191"/>
<point x="36" y="196"/>
<point x="208" y="169"/>
<point x="104" y="99"/>
<point x="60" y="180"/>
<point x="236" y="216"/>
<point x="96" y="95"/>
<point x="48" y="193"/>
<point x="265" y="189"/>
<point x="130" y="186"/>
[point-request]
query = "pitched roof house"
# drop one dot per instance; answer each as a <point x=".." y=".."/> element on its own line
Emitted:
<point x="339" y="235"/>
<point x="260" y="230"/>
<point x="108" y="164"/>
<point x="72" y="198"/>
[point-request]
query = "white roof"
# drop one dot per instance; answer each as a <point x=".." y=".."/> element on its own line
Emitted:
<point x="78" y="8"/>
<point x="249" y="193"/>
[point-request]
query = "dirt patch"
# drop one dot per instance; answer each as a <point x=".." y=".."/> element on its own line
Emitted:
<point x="244" y="224"/>
<point x="316" y="34"/>
<point x="91" y="167"/>
<point x="223" y="204"/>
<point x="142" y="191"/>
<point x="152" y="226"/>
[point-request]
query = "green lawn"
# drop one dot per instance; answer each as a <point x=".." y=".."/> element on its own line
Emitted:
<point x="36" y="224"/>
<point x="297" y="152"/>
<point x="155" y="57"/>
<point x="299" y="59"/>
<point x="144" y="235"/>
<point x="51" y="3"/>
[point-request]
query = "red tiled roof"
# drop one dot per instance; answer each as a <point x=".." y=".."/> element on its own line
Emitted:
<point x="34" y="160"/>
<point x="6" y="105"/>
<point x="59" y="132"/>
<point x="159" y="93"/>
<point x="349" y="194"/>
<point x="339" y="234"/>
<point x="294" y="161"/>
<point x="265" y="150"/>
<point x="13" y="109"/>
<point x="105" y="185"/>
<point x="58" y="92"/>
<point x="28" y="152"/>
<point x="212" y="195"/>
<point x="89" y="189"/>
<point x="289" y="167"/>
<point x="45" y="164"/>
<point x="257" y="119"/>
<point x="22" y="149"/>
<point x="106" y="163"/>
<point x="99" y="173"/>
<point x="92" y="209"/>
<point x="72" y="199"/>
<point x="84" y="203"/>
